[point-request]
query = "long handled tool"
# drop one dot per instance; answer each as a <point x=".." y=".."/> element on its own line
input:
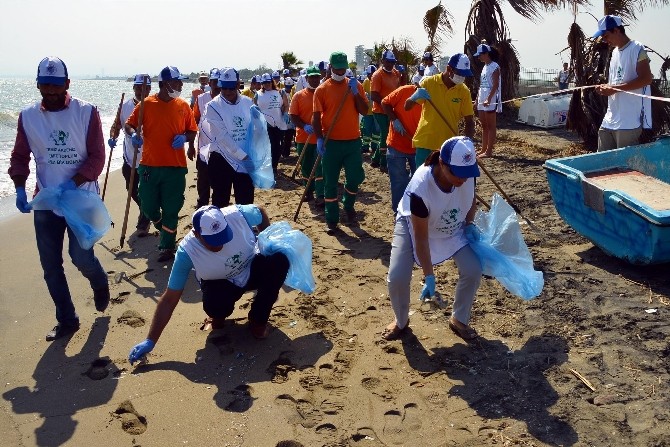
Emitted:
<point x="479" y="162"/>
<point x="298" y="166"/>
<point x="318" y="157"/>
<point x="133" y="169"/>
<point x="113" y="134"/>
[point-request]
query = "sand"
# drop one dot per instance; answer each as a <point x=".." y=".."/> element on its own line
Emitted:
<point x="324" y="377"/>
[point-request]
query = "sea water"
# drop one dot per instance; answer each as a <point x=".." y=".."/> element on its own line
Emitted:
<point x="16" y="94"/>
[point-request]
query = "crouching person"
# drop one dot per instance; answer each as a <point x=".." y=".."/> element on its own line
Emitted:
<point x="223" y="250"/>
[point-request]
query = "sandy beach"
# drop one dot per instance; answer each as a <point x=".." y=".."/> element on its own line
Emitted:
<point x="324" y="377"/>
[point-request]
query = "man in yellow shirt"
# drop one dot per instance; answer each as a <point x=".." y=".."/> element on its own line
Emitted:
<point x="448" y="93"/>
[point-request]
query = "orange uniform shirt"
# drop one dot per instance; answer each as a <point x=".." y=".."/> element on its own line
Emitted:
<point x="302" y="105"/>
<point x="409" y="119"/>
<point x="161" y="121"/>
<point x="327" y="99"/>
<point x="383" y="83"/>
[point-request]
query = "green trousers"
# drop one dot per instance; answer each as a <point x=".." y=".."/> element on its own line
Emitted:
<point x="307" y="166"/>
<point x="380" y="154"/>
<point x="347" y="154"/>
<point x="161" y="194"/>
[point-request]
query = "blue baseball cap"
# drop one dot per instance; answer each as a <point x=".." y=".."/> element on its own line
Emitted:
<point x="459" y="154"/>
<point x="210" y="223"/>
<point x="482" y="49"/>
<point x="607" y="23"/>
<point x="51" y="70"/>
<point x="228" y="78"/>
<point x="460" y="64"/>
<point x="169" y="73"/>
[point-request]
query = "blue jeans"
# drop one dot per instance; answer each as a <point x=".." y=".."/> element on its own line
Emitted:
<point x="50" y="233"/>
<point x="397" y="163"/>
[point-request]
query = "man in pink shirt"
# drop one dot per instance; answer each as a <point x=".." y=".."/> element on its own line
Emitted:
<point x="64" y="135"/>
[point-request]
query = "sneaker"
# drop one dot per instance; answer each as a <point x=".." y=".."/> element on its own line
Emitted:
<point x="101" y="298"/>
<point x="259" y="330"/>
<point x="309" y="197"/>
<point x="166" y="254"/>
<point x="331" y="228"/>
<point x="320" y="202"/>
<point x="60" y="331"/>
<point x="349" y="217"/>
<point x="143" y="229"/>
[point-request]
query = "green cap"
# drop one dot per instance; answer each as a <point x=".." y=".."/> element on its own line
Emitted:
<point x="338" y="60"/>
<point x="313" y="70"/>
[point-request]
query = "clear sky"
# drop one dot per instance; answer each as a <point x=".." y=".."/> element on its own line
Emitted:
<point x="123" y="37"/>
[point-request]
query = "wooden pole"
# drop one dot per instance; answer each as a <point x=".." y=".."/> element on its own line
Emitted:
<point x="114" y="134"/>
<point x="131" y="182"/>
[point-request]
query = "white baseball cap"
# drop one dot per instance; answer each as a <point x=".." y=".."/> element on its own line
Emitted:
<point x="140" y="79"/>
<point x="51" y="70"/>
<point x="214" y="73"/>
<point x="459" y="154"/>
<point x="228" y="78"/>
<point x="210" y="223"/>
<point x="607" y="23"/>
<point x="461" y="64"/>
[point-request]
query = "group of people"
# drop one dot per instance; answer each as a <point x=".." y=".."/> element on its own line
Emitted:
<point x="432" y="172"/>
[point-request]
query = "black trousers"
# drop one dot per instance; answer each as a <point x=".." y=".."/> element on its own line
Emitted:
<point x="268" y="273"/>
<point x="222" y="178"/>
<point x="202" y="184"/>
<point x="275" y="145"/>
<point x="287" y="141"/>
<point x="142" y="220"/>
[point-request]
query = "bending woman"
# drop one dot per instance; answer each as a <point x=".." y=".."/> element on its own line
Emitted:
<point x="489" y="99"/>
<point x="434" y="215"/>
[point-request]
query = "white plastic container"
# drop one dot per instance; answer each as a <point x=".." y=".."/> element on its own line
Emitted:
<point x="546" y="111"/>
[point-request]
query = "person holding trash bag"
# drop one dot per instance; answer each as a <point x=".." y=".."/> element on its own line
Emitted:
<point x="223" y="250"/>
<point x="64" y="135"/>
<point x="225" y="122"/>
<point x="167" y="125"/>
<point x="337" y="104"/>
<point x="434" y="217"/>
<point x="202" y="184"/>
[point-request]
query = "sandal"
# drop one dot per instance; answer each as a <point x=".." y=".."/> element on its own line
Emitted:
<point x="393" y="333"/>
<point x="467" y="333"/>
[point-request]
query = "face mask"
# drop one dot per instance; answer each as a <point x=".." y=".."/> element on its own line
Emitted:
<point x="387" y="71"/>
<point x="456" y="79"/>
<point x="337" y="78"/>
<point x="174" y="94"/>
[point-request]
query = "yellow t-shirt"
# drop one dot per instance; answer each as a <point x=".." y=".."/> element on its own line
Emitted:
<point x="366" y="87"/>
<point x="248" y="93"/>
<point x="161" y="121"/>
<point x="454" y="104"/>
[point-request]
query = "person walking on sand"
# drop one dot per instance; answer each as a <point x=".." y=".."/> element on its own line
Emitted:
<point x="203" y="80"/>
<point x="435" y="215"/>
<point x="489" y="98"/>
<point x="273" y="104"/>
<point x="301" y="111"/>
<point x="143" y="222"/>
<point x="45" y="129"/>
<point x="343" y="148"/>
<point x="383" y="82"/>
<point x="226" y="120"/>
<point x="401" y="154"/>
<point x="448" y="93"/>
<point x="167" y="124"/>
<point x="202" y="184"/>
<point x="629" y="71"/>
<point x="222" y="249"/>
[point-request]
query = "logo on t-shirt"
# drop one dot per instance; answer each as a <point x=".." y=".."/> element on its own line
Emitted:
<point x="456" y="100"/>
<point x="59" y="137"/>
<point x="237" y="121"/>
<point x="234" y="261"/>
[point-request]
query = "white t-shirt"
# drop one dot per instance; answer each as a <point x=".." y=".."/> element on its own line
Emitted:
<point x="128" y="149"/>
<point x="485" y="86"/>
<point x="417" y="78"/>
<point x="430" y="70"/>
<point x="270" y="102"/>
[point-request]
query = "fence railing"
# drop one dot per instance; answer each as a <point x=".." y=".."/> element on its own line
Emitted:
<point x="533" y="81"/>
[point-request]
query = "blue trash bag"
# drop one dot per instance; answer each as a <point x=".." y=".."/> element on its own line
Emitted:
<point x="84" y="212"/>
<point x="280" y="237"/>
<point x="503" y="252"/>
<point x="257" y="147"/>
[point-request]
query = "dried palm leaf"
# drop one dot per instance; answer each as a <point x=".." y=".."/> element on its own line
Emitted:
<point x="438" y="23"/>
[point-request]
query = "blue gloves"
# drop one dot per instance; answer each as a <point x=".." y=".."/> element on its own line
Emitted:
<point x="70" y="185"/>
<point x="472" y="233"/>
<point x="140" y="350"/>
<point x="255" y="112"/>
<point x="397" y="125"/>
<point x="420" y="93"/>
<point x="136" y="139"/>
<point x="308" y="128"/>
<point x="248" y="164"/>
<point x="111" y="143"/>
<point x="353" y="85"/>
<point x="22" y="200"/>
<point x="320" y="147"/>
<point x="178" y="141"/>
<point x="428" y="290"/>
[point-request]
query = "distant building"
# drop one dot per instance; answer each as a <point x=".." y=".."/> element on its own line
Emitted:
<point x="362" y="58"/>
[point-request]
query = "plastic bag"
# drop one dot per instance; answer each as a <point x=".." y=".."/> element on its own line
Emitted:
<point x="503" y="252"/>
<point x="257" y="147"/>
<point x="84" y="212"/>
<point x="280" y="237"/>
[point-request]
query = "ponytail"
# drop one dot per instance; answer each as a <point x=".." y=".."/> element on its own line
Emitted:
<point x="432" y="159"/>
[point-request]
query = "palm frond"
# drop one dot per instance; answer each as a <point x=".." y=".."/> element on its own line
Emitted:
<point x="438" y="24"/>
<point x="628" y="9"/>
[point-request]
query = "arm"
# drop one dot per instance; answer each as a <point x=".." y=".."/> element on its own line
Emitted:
<point x="214" y="127"/>
<point x="469" y="126"/>
<point x="470" y="216"/>
<point x="196" y="112"/>
<point x="95" y="147"/>
<point x="297" y="121"/>
<point x="284" y="102"/>
<point x="190" y="137"/>
<point x="420" y="228"/>
<point x="494" y="87"/>
<point x="409" y="104"/>
<point x="388" y="110"/>
<point x="265" y="222"/>
<point x="316" y="124"/>
<point x="20" y="159"/>
<point x="644" y="78"/>
<point x="166" y="305"/>
<point x="376" y="97"/>
<point x="361" y="101"/>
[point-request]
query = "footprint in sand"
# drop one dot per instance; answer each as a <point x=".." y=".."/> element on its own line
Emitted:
<point x="224" y="344"/>
<point x="242" y="399"/>
<point x="131" y="421"/>
<point x="399" y="426"/>
<point x="98" y="369"/>
<point x="302" y="411"/>
<point x="131" y="318"/>
<point x="289" y="444"/>
<point x="366" y="437"/>
<point x="280" y="368"/>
